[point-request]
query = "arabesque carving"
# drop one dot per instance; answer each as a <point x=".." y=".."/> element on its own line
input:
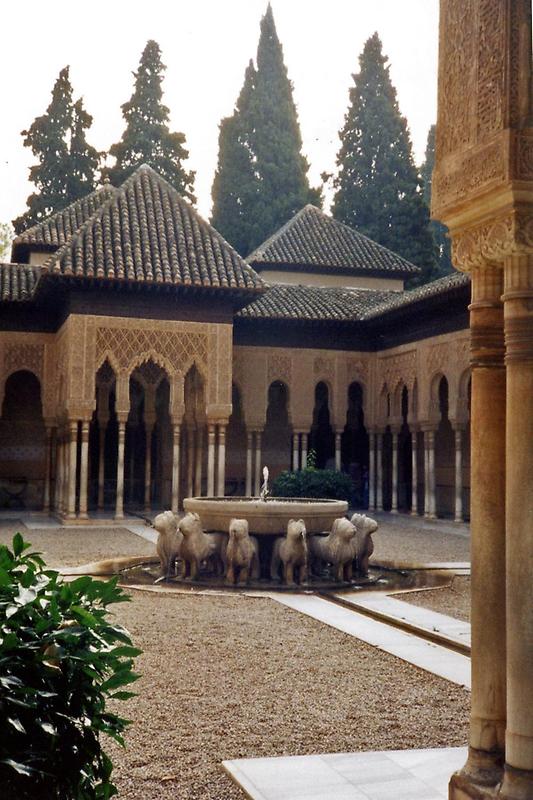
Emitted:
<point x="279" y="368"/>
<point x="129" y="346"/>
<point x="493" y="241"/>
<point x="21" y="355"/>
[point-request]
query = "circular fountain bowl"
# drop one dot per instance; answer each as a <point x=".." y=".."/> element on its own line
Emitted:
<point x="266" y="517"/>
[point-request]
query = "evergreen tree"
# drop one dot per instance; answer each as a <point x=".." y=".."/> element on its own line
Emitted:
<point x="235" y="184"/>
<point x="438" y="229"/>
<point x="378" y="189"/>
<point x="147" y="138"/>
<point x="67" y="164"/>
<point x="263" y="134"/>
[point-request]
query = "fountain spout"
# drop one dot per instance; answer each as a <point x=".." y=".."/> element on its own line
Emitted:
<point x="264" y="488"/>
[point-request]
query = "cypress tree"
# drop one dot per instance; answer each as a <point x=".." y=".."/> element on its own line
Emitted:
<point x="66" y="162"/>
<point x="439" y="230"/>
<point x="265" y="134"/>
<point x="235" y="183"/>
<point x="378" y="189"/>
<point x="147" y="138"/>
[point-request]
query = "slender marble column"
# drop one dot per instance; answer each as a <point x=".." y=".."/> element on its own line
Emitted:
<point x="487" y="537"/>
<point x="414" y="473"/>
<point x="102" y="426"/>
<point x="84" y="469"/>
<point x="57" y="487"/>
<point x="211" y="430"/>
<point x="221" y="477"/>
<point x="119" y="505"/>
<point x="199" y="455"/>
<point x="72" y="467"/>
<point x="148" y="429"/>
<point x="176" y="432"/>
<point x="431" y="476"/>
<point x="379" y="472"/>
<point x="48" y="469"/>
<point x="249" y="465"/>
<point x="371" y="471"/>
<point x="394" y="499"/>
<point x="257" y="485"/>
<point x="518" y="312"/>
<point x="305" y="445"/>
<point x="190" y="460"/>
<point x="458" y="475"/>
<point x="338" y="463"/>
<point x="60" y="471"/>
<point x="295" y="451"/>
<point x="427" y="486"/>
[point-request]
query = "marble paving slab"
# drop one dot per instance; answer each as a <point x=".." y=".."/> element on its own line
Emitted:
<point x="431" y="657"/>
<point x="377" y="775"/>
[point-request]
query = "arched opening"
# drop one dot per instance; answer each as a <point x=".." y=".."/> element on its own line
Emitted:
<point x="103" y="441"/>
<point x="355" y="445"/>
<point x="277" y="433"/>
<point x="405" y="468"/>
<point x="322" y="438"/>
<point x="236" y="446"/>
<point x="22" y="443"/>
<point x="444" y="456"/>
<point x="195" y="461"/>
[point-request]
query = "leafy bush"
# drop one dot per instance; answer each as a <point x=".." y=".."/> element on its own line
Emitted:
<point x="60" y="661"/>
<point x="313" y="482"/>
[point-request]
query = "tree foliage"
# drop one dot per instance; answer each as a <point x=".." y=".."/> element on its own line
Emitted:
<point x="311" y="482"/>
<point x="6" y="237"/>
<point x="378" y="189"/>
<point x="147" y="138"/>
<point x="61" y="659"/>
<point x="261" y="180"/>
<point x="67" y="164"/>
<point x="444" y="266"/>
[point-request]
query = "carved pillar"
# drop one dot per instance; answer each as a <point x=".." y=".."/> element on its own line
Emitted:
<point x="295" y="451"/>
<point x="72" y="468"/>
<point x="119" y="503"/>
<point x="59" y="471"/>
<point x="211" y="430"/>
<point x="148" y="431"/>
<point x="379" y="471"/>
<point x="426" y="476"/>
<point x="371" y="471"/>
<point x="431" y="475"/>
<point x="257" y="478"/>
<point x="199" y="455"/>
<point x="221" y="477"/>
<point x="190" y="460"/>
<point x="518" y="313"/>
<point x="305" y="445"/>
<point x="249" y="465"/>
<point x="414" y="473"/>
<point x="48" y="468"/>
<point x="394" y="499"/>
<point x="84" y="469"/>
<point x="458" y="474"/>
<point x="102" y="427"/>
<point x="338" y="460"/>
<point x="487" y="720"/>
<point x="176" y="432"/>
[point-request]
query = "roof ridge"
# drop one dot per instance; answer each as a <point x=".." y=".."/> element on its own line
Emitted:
<point x="264" y="245"/>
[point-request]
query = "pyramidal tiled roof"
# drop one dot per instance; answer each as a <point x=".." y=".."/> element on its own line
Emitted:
<point x="145" y="231"/>
<point x="58" y="229"/>
<point x="18" y="281"/>
<point x="438" y="288"/>
<point x="314" y="240"/>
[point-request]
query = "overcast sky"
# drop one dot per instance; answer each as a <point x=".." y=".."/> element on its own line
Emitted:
<point x="206" y="45"/>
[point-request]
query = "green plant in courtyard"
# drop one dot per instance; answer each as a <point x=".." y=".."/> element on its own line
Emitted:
<point x="312" y="482"/>
<point x="61" y="660"/>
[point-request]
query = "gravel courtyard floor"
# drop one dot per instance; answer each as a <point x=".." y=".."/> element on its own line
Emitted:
<point x="226" y="677"/>
<point x="454" y="601"/>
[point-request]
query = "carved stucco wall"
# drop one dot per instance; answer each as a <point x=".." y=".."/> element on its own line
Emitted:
<point x="419" y="366"/>
<point x="66" y="363"/>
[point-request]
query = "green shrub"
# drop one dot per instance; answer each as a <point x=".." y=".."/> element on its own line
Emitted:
<point x="311" y="482"/>
<point x="60" y="660"/>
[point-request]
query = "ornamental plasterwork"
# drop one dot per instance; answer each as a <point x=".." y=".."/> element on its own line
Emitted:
<point x="279" y="368"/>
<point x="21" y="355"/>
<point x="399" y="368"/>
<point x="128" y="347"/>
<point x="324" y="367"/>
<point x="356" y="369"/>
<point x="493" y="241"/>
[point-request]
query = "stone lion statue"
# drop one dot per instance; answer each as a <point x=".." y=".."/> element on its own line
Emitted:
<point x="364" y="546"/>
<point x="241" y="554"/>
<point x="291" y="551"/>
<point x="337" y="548"/>
<point x="197" y="546"/>
<point x="169" y="542"/>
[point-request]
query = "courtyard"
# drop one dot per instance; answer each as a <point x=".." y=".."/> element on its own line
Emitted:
<point x="230" y="676"/>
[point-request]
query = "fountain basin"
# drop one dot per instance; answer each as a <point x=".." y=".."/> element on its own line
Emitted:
<point x="266" y="517"/>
